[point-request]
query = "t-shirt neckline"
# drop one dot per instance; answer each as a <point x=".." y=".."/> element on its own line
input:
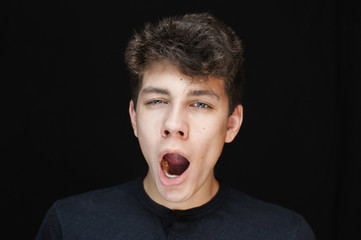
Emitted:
<point x="187" y="214"/>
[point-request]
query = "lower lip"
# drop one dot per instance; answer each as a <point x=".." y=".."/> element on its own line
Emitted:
<point x="172" y="182"/>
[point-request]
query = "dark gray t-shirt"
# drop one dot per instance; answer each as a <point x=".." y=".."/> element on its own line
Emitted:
<point x="126" y="212"/>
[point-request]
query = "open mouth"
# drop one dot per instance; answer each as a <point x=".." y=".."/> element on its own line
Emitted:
<point x="174" y="165"/>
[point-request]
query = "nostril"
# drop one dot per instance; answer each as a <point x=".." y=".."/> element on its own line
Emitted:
<point x="167" y="132"/>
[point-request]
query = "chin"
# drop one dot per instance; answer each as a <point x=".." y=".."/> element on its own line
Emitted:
<point x="174" y="196"/>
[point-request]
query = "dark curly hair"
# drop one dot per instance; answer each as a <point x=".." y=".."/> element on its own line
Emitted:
<point x="198" y="44"/>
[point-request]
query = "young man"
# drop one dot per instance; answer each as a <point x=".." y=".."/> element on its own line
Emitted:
<point x="186" y="74"/>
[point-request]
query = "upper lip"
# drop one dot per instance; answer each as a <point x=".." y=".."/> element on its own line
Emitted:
<point x="172" y="151"/>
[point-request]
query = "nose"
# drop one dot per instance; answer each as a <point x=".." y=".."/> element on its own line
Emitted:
<point x="175" y="123"/>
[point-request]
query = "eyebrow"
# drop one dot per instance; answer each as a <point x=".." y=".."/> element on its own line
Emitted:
<point x="148" y="90"/>
<point x="207" y="92"/>
<point x="196" y="92"/>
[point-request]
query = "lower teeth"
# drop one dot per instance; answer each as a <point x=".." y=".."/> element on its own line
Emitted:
<point x="169" y="175"/>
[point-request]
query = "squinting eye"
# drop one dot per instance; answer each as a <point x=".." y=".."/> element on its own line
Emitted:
<point x="201" y="105"/>
<point x="154" y="102"/>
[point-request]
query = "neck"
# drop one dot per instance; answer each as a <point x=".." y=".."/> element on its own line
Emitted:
<point x="199" y="197"/>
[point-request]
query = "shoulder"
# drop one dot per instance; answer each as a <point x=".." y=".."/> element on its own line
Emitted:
<point x="104" y="212"/>
<point x="238" y="200"/>
<point x="101" y="201"/>
<point x="265" y="217"/>
<point x="104" y="194"/>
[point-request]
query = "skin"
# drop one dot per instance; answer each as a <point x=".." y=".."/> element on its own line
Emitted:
<point x="175" y="115"/>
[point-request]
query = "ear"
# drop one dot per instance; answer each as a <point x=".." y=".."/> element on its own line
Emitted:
<point x="133" y="117"/>
<point x="234" y="123"/>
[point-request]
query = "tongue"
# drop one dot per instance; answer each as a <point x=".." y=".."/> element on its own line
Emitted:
<point x="176" y="164"/>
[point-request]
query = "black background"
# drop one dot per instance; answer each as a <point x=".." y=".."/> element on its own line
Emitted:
<point x="65" y="127"/>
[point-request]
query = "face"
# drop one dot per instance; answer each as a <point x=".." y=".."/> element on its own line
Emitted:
<point x="182" y="127"/>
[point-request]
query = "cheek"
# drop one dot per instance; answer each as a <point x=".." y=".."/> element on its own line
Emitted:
<point x="148" y="129"/>
<point x="211" y="129"/>
<point x="212" y="140"/>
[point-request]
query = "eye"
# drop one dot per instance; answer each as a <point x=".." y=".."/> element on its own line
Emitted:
<point x="155" y="102"/>
<point x="201" y="105"/>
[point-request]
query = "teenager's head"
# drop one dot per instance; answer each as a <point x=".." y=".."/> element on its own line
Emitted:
<point x="186" y="104"/>
<point x="199" y="45"/>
